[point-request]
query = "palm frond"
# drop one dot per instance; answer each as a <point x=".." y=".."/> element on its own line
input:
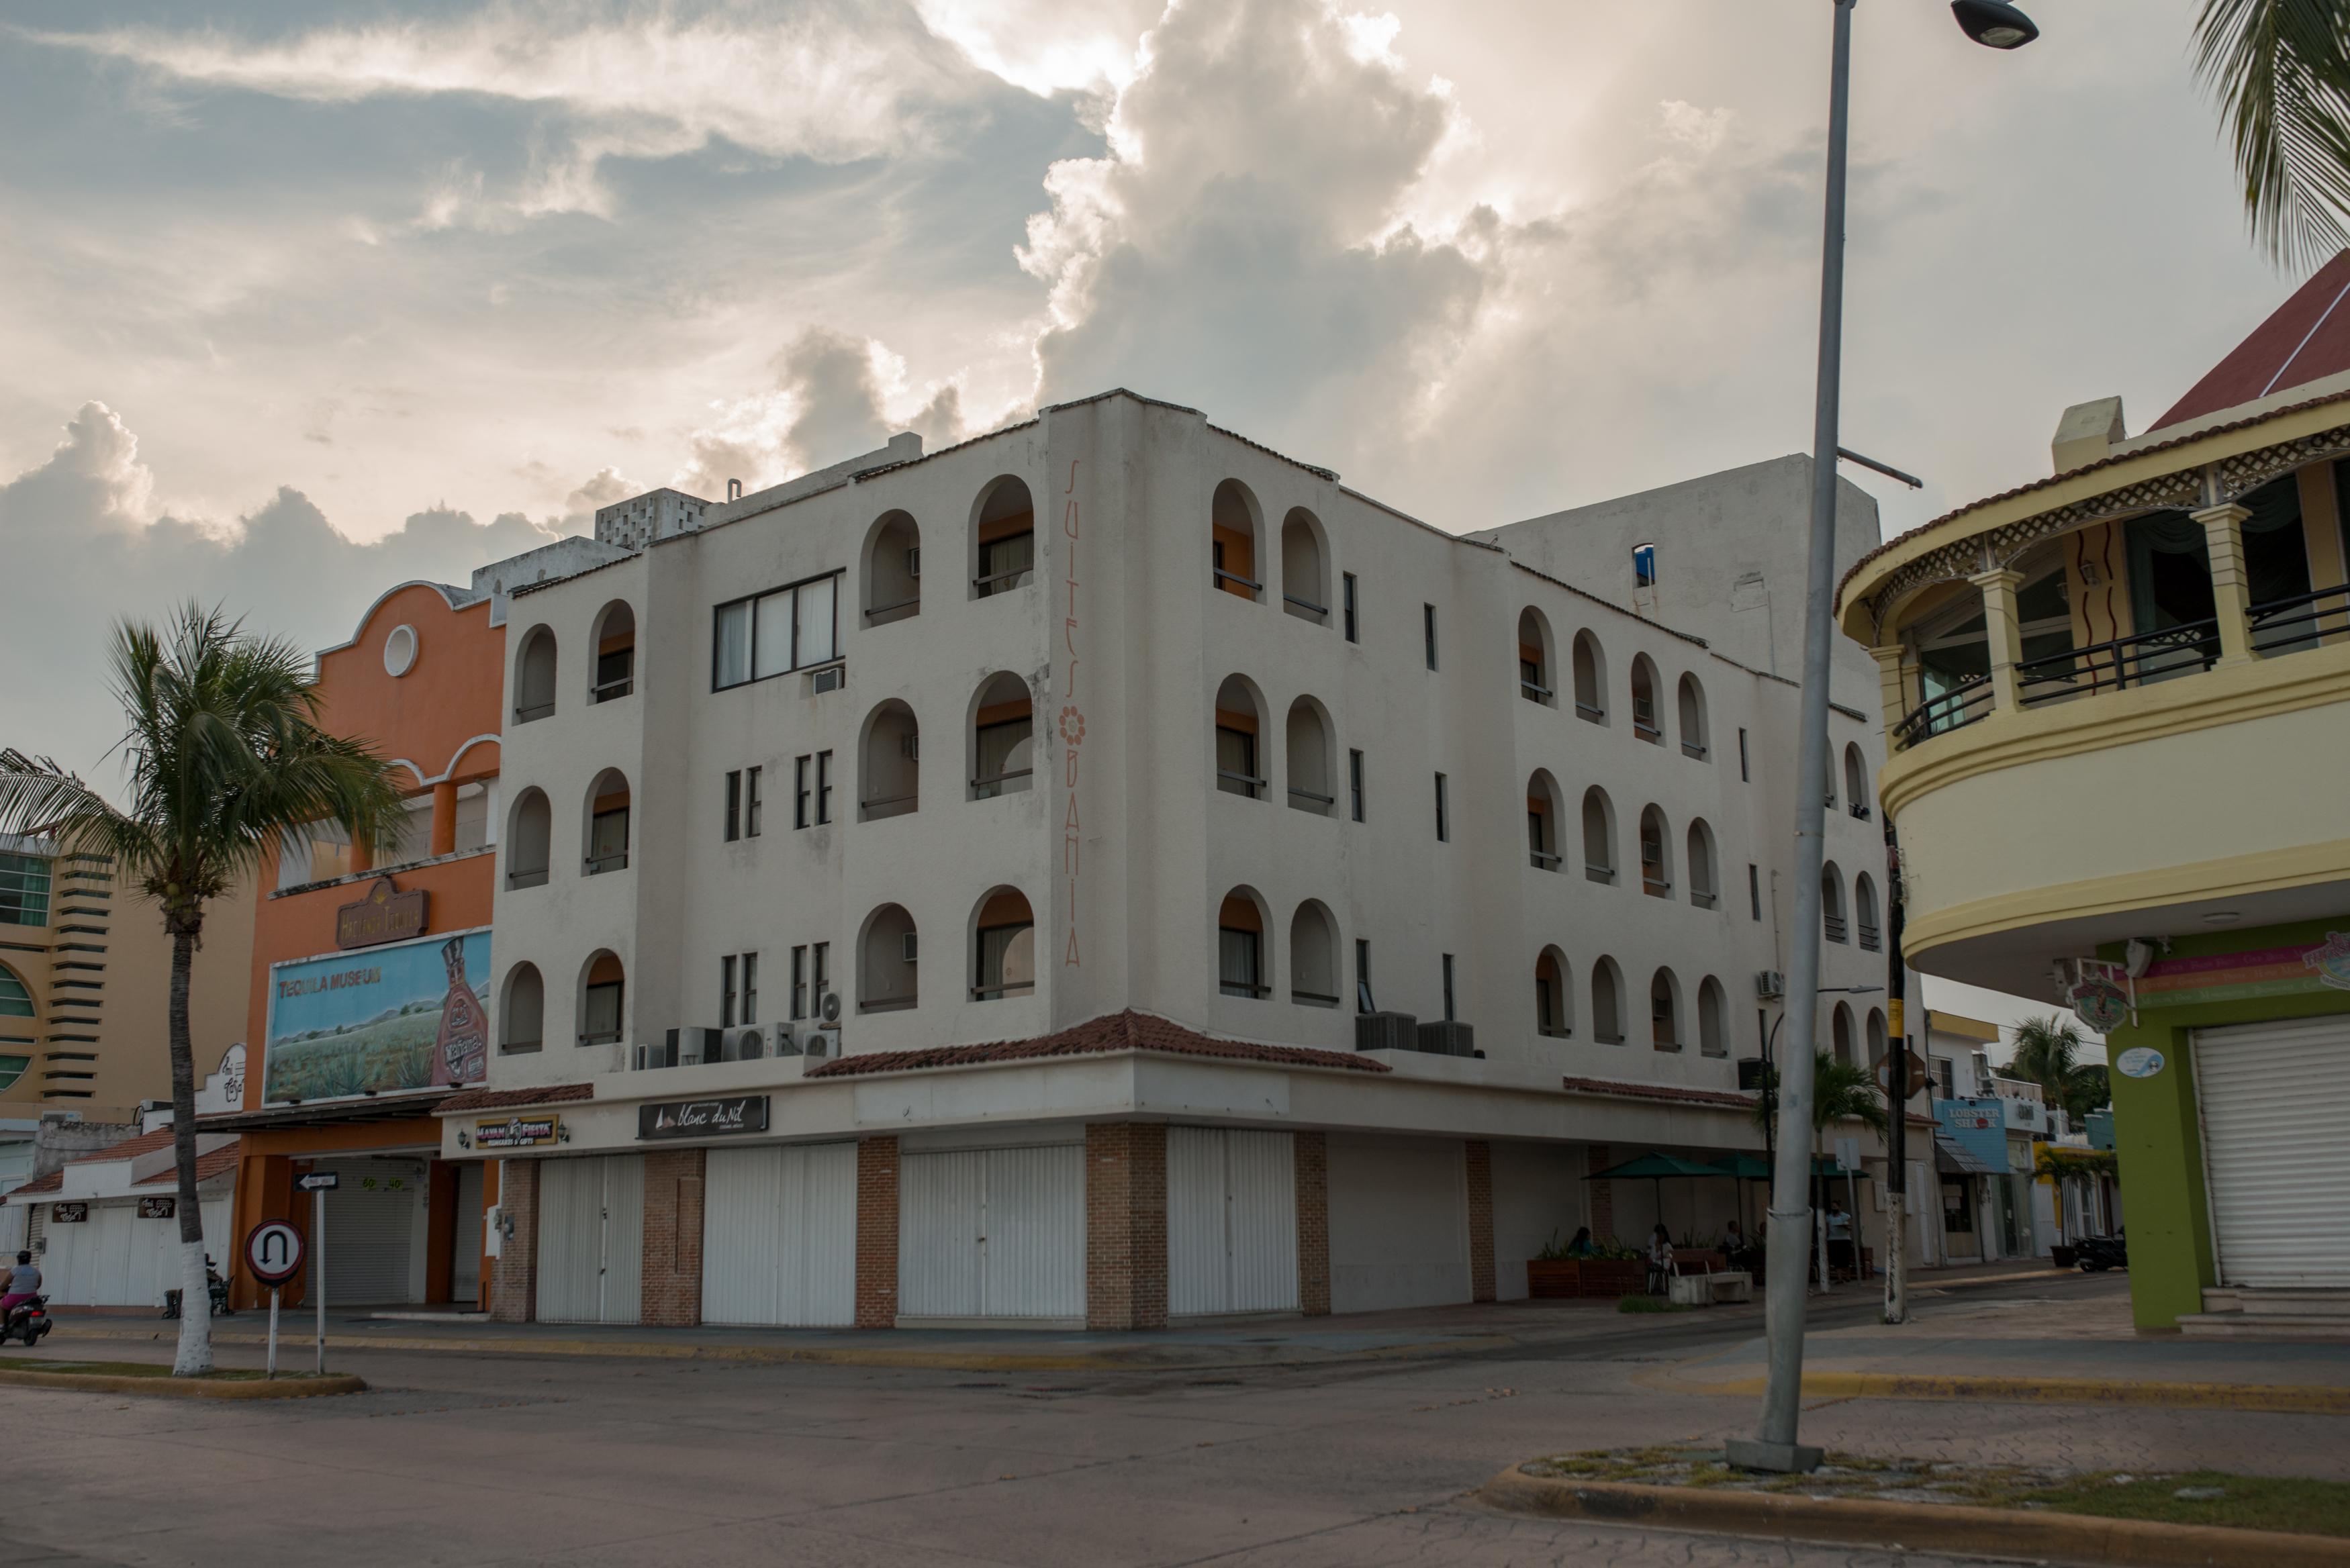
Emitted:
<point x="2280" y="72"/>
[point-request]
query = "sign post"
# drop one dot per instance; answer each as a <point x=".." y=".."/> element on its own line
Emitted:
<point x="318" y="1184"/>
<point x="273" y="1254"/>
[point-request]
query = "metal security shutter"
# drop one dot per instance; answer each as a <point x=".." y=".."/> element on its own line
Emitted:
<point x="1399" y="1223"/>
<point x="993" y="1233"/>
<point x="465" y="1245"/>
<point x="372" y="1221"/>
<point x="591" y="1229"/>
<point x="779" y="1237"/>
<point x="2276" y="1150"/>
<point x="1231" y="1221"/>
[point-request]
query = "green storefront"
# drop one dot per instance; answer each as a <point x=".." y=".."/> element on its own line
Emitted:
<point x="2232" y="1116"/>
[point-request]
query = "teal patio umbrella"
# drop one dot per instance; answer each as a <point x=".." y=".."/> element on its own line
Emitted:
<point x="1655" y="1168"/>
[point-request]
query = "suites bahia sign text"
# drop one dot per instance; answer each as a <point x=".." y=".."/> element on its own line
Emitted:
<point x="703" y="1118"/>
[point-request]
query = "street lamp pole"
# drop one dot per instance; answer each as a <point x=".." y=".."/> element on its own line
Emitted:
<point x="1998" y="25"/>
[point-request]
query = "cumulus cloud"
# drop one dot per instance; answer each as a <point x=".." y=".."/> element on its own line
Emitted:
<point x="85" y="544"/>
<point x="832" y="398"/>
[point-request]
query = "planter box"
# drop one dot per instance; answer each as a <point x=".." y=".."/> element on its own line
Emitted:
<point x="1612" y="1277"/>
<point x="2063" y="1257"/>
<point x="1555" y="1279"/>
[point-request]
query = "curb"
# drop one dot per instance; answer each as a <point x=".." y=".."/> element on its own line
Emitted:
<point x="2276" y="1397"/>
<point x="185" y="1387"/>
<point x="1940" y="1528"/>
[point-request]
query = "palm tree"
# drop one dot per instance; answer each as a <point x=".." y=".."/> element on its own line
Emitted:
<point x="1840" y="1091"/>
<point x="2280" y="72"/>
<point x="2047" y="1052"/>
<point x="225" y="755"/>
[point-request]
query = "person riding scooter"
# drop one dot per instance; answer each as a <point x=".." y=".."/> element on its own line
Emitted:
<point x="23" y="1285"/>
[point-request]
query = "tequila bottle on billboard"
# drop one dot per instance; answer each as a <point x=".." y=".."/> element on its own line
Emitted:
<point x="463" y="1050"/>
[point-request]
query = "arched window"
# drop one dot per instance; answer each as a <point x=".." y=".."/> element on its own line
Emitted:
<point x="1647" y="723"/>
<point x="529" y="840"/>
<point x="603" y="994"/>
<point x="1876" y="1037"/>
<point x="1553" y="995"/>
<point x="885" y="962"/>
<point x="607" y="845"/>
<point x="1864" y="911"/>
<point x="1664" y="1011"/>
<point x="1855" y="783"/>
<point x="1240" y="945"/>
<point x="1544" y="820"/>
<point x="1832" y="902"/>
<point x="893" y="570"/>
<point x="1598" y="836"/>
<point x="1003" y="946"/>
<point x="1656" y="862"/>
<point x="1002" y="737"/>
<point x="1534" y="683"/>
<point x="16" y="997"/>
<point x="1693" y="712"/>
<point x="892" y="755"/>
<point x="1232" y="541"/>
<point x="1310" y="787"/>
<point x="1314" y="956"/>
<point x="1704" y="891"/>
<point x="535" y="675"/>
<point x="1712" y="1014"/>
<point x="1239" y="719"/>
<point x="1590" y="679"/>
<point x="1607" y="1003"/>
<point x="616" y="653"/>
<point x="1840" y="1033"/>
<point x="521" y="1020"/>
<point x="1304" y="567"/>
<point x="1002" y="538"/>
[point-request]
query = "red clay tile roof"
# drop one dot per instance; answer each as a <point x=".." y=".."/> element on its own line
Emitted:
<point x="1128" y="1030"/>
<point x="498" y="1099"/>
<point x="219" y="1162"/>
<point x="129" y="1148"/>
<point x="1616" y="1089"/>
<point x="2307" y="338"/>
<point x="49" y="1181"/>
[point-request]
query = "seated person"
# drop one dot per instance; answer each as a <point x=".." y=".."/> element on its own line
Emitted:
<point x="1581" y="1247"/>
<point x="1661" y="1261"/>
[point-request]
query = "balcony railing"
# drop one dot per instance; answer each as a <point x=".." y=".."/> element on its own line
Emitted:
<point x="1543" y="859"/>
<point x="1591" y="710"/>
<point x="1318" y="804"/>
<point x="1693" y="749"/>
<point x="526" y="712"/>
<point x="1002" y="582"/>
<point x="616" y="861"/>
<point x="1218" y="577"/>
<point x="992" y="993"/>
<point x="1656" y="887"/>
<point x="882" y="615"/>
<point x="1594" y="872"/>
<point x="1962" y="705"/>
<point x="1001" y="784"/>
<point x="889" y="806"/>
<point x="1704" y="897"/>
<point x="1319" y="612"/>
<point x="1248" y="990"/>
<point x="2282" y="625"/>
<point x="885" y="1004"/>
<point x="531" y="877"/>
<point x="2124" y="661"/>
<point x="609" y="689"/>
<point x="1312" y="998"/>
<point x="515" y="1047"/>
<point x="1533" y="690"/>
<point x="1239" y="783"/>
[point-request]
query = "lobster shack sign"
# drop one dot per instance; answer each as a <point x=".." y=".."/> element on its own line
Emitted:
<point x="385" y="915"/>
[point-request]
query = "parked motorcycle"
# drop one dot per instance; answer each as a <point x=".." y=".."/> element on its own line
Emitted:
<point x="27" y="1321"/>
<point x="2099" y="1253"/>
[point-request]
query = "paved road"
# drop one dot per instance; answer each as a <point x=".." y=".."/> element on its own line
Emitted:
<point x="513" y="1460"/>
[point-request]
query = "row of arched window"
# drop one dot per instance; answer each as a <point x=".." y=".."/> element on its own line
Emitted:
<point x="1545" y="830"/>
<point x="1669" y="1024"/>
<point x="1587" y="661"/>
<point x="1833" y="924"/>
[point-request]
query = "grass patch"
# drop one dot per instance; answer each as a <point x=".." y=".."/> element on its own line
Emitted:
<point x="124" y="1369"/>
<point x="1649" y="1303"/>
<point x="2247" y="1502"/>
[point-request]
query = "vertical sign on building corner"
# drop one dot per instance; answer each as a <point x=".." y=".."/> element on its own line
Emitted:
<point x="1073" y="719"/>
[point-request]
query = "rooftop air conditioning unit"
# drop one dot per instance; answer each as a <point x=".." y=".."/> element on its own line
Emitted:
<point x="824" y="1041"/>
<point x="827" y="680"/>
<point x="1450" y="1038"/>
<point x="695" y="1046"/>
<point x="748" y="1045"/>
<point x="1769" y="985"/>
<point x="784" y="1044"/>
<point x="1386" y="1032"/>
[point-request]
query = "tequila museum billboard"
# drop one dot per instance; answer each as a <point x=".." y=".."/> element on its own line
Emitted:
<point x="408" y="1015"/>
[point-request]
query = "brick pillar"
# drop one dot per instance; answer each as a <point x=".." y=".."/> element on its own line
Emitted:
<point x="877" y="1233"/>
<point x="1313" y="1155"/>
<point x="1481" y="1220"/>
<point x="1125" y="1225"/>
<point x="1603" y="1195"/>
<point x="513" y="1298"/>
<point x="672" y="1260"/>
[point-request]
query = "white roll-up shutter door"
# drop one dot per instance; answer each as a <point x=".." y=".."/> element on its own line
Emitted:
<point x="993" y="1234"/>
<point x="465" y="1245"/>
<point x="1399" y="1223"/>
<point x="372" y="1219"/>
<point x="591" y="1231"/>
<point x="779" y="1237"/>
<point x="2276" y="1100"/>
<point x="1231" y="1221"/>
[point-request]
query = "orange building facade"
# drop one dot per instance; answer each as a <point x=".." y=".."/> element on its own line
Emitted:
<point x="369" y="970"/>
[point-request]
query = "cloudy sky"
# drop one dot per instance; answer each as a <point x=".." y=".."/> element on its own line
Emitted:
<point x="303" y="299"/>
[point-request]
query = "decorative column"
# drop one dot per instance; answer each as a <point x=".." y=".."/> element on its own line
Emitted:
<point x="1312" y="1159"/>
<point x="2003" y="639"/>
<point x="670" y="1257"/>
<point x="877" y="1233"/>
<point x="1125" y="1225"/>
<point x="514" y="1296"/>
<point x="1892" y="691"/>
<point x="1481" y="1220"/>
<point x="2231" y="594"/>
<point x="445" y="817"/>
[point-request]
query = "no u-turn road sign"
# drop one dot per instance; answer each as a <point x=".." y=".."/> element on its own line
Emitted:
<point x="273" y="1251"/>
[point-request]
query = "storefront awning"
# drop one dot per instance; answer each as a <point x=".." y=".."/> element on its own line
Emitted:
<point x="1952" y="1158"/>
<point x="326" y="1113"/>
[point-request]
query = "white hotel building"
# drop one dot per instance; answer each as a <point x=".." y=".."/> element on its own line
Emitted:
<point x="1108" y="872"/>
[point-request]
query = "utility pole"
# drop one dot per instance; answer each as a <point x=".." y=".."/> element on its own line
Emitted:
<point x="1896" y="1095"/>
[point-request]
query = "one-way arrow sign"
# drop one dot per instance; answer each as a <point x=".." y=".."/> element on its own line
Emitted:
<point x="319" y="1180"/>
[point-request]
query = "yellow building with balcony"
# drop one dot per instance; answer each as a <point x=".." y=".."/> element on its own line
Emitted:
<point x="2119" y="708"/>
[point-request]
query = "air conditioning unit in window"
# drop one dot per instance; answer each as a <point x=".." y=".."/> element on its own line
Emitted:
<point x="784" y="1044"/>
<point x="828" y="679"/>
<point x="748" y="1045"/>
<point x="910" y="946"/>
<point x="692" y="1047"/>
<point x="1386" y="1032"/>
<point x="1448" y="1038"/>
<point x="1770" y="985"/>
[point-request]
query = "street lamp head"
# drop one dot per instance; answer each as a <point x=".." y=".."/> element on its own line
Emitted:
<point x="1993" y="24"/>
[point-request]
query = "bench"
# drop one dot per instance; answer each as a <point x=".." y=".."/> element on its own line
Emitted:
<point x="1702" y="1277"/>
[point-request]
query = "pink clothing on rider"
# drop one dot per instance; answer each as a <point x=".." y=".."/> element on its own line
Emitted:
<point x="8" y="1304"/>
